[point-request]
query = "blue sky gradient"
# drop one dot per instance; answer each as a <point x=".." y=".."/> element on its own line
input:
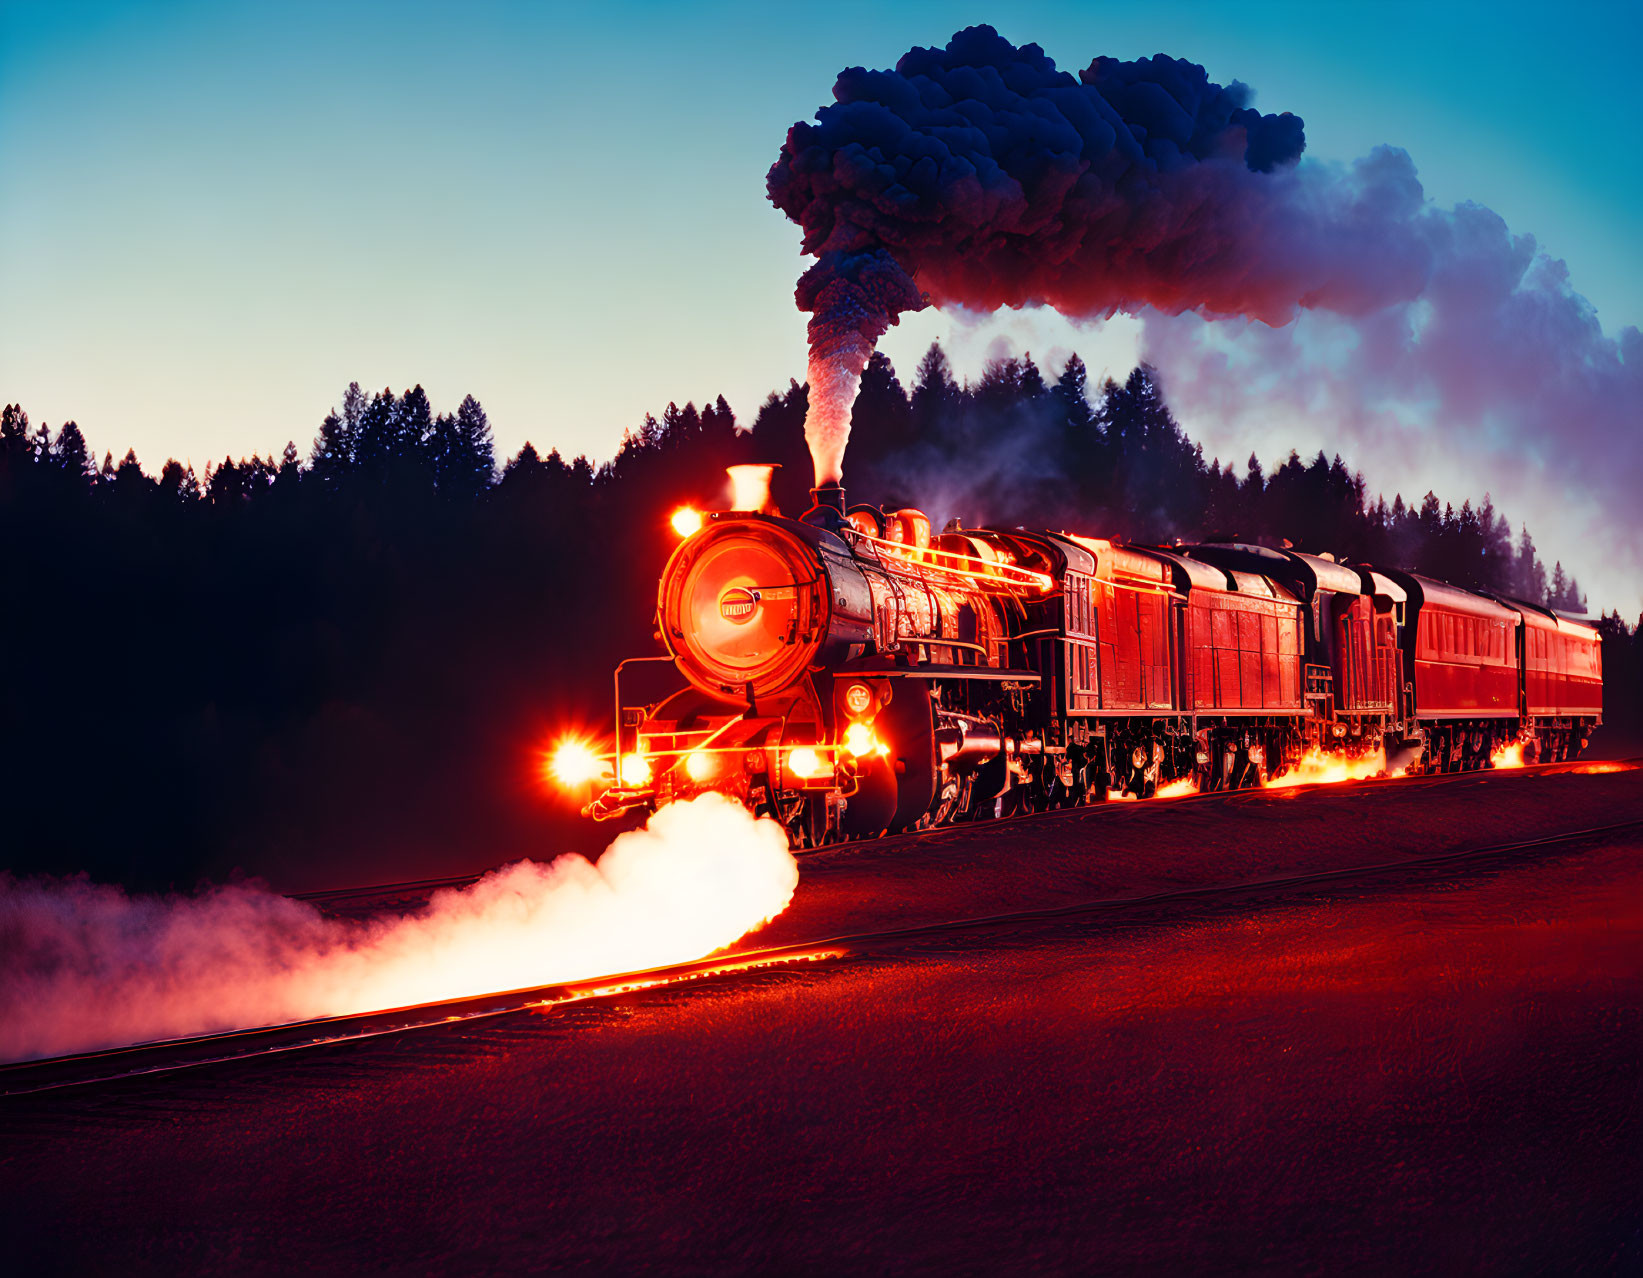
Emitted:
<point x="214" y="216"/>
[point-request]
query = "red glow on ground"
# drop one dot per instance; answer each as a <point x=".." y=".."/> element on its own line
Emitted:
<point x="1318" y="768"/>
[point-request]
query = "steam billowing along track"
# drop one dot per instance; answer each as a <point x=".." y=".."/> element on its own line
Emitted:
<point x="215" y="1049"/>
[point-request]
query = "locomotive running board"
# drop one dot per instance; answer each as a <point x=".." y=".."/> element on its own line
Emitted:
<point x="930" y="670"/>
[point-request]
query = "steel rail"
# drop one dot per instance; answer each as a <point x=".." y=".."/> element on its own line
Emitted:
<point x="1241" y="796"/>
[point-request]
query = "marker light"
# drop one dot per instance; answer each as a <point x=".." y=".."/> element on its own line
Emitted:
<point x="575" y="764"/>
<point x="858" y="739"/>
<point x="635" y="770"/>
<point x="804" y="762"/>
<point x="858" y="697"/>
<point x="686" y="521"/>
<point x="699" y="765"/>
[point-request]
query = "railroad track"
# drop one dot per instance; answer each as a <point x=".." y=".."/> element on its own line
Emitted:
<point x="340" y="896"/>
<point x="168" y="1056"/>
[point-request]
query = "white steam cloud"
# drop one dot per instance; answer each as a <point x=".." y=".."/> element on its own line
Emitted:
<point x="1484" y="370"/>
<point x="86" y="966"/>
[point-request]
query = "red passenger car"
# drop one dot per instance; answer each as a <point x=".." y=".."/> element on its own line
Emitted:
<point x="1460" y="655"/>
<point x="1562" y="680"/>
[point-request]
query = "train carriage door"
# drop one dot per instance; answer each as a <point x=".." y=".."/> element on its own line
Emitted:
<point x="1224" y="631"/>
<point x="1107" y="629"/>
<point x="1126" y="653"/>
<point x="1563" y="699"/>
<point x="1343" y="664"/>
<point x="1355" y="674"/>
<point x="1547" y="665"/>
<point x="1154" y="681"/>
<point x="1289" y="658"/>
<point x="1083" y="694"/>
<point x="1534" y="660"/>
<point x="1249" y="659"/>
<point x="1386" y="659"/>
<point x="1166" y="694"/>
<point x="1180" y="665"/>
<point x="1202" y="655"/>
<point x="1152" y="626"/>
<point x="1271" y="681"/>
<point x="1363" y="655"/>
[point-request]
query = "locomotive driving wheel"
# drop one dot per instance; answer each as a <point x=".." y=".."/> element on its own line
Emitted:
<point x="951" y="800"/>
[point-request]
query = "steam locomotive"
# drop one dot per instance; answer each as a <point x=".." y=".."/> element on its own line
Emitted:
<point x="849" y="673"/>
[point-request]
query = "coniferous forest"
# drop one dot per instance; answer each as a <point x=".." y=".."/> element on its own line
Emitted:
<point x="344" y="665"/>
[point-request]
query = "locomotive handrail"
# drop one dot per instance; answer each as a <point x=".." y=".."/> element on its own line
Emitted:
<point x="709" y="736"/>
<point x="616" y="683"/>
<point x="936" y="642"/>
<point x="984" y="570"/>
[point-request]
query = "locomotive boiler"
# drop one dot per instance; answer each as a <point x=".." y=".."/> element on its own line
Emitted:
<point x="848" y="673"/>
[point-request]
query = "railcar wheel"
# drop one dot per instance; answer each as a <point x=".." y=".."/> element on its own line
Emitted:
<point x="1094" y="781"/>
<point x="1060" y="791"/>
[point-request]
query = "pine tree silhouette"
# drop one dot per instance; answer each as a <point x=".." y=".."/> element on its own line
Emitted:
<point x="356" y="654"/>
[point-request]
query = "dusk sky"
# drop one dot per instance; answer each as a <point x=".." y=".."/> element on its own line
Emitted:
<point x="215" y="216"/>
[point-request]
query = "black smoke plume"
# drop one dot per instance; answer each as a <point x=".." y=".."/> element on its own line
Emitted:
<point x="981" y="175"/>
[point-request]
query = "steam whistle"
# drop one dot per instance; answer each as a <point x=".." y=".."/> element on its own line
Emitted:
<point x="828" y="511"/>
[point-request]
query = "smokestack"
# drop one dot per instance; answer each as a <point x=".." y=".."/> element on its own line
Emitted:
<point x="828" y="511"/>
<point x="750" y="487"/>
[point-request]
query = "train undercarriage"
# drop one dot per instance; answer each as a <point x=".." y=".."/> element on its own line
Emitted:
<point x="944" y="752"/>
<point x="941" y="752"/>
